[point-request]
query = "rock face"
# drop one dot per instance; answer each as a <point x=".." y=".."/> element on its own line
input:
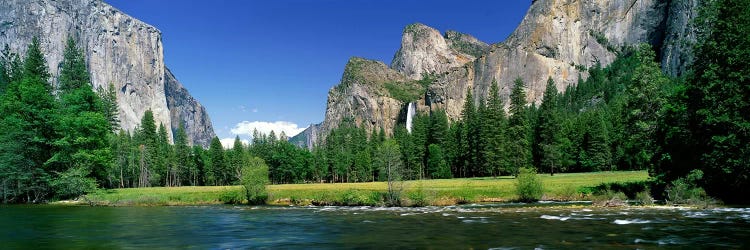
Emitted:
<point x="120" y="50"/>
<point x="307" y="138"/>
<point x="362" y="96"/>
<point x="425" y="50"/>
<point x="184" y="109"/>
<point x="556" y="38"/>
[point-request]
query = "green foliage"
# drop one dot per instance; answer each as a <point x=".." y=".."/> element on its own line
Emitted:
<point x="254" y="178"/>
<point x="73" y="183"/>
<point x="719" y="100"/>
<point x="519" y="147"/>
<point x="644" y="198"/>
<point x="437" y="166"/>
<point x="548" y="130"/>
<point x="27" y="119"/>
<point x="390" y="165"/>
<point x="529" y="186"/>
<point x="404" y="91"/>
<point x="493" y="134"/>
<point x="216" y="169"/>
<point x="110" y="110"/>
<point x="459" y="44"/>
<point x="685" y="190"/>
<point x="602" y="40"/>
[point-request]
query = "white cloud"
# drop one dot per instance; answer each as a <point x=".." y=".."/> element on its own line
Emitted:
<point x="246" y="128"/>
<point x="255" y="110"/>
<point x="228" y="143"/>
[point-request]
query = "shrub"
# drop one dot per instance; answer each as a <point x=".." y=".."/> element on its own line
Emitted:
<point x="685" y="190"/>
<point x="254" y="180"/>
<point x="73" y="183"/>
<point x="528" y="185"/>
<point x="644" y="198"/>
<point x="356" y="198"/>
<point x="232" y="197"/>
<point x="417" y="197"/>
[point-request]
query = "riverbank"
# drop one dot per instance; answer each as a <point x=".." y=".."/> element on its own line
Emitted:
<point x="560" y="187"/>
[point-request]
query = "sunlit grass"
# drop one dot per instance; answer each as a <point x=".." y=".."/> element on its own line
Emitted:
<point x="436" y="192"/>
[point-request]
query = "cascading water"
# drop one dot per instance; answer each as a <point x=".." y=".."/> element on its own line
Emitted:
<point x="410" y="110"/>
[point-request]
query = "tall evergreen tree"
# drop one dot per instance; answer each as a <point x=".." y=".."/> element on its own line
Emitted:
<point x="215" y="170"/>
<point x="519" y="148"/>
<point x="466" y="158"/>
<point x="494" y="132"/>
<point x="548" y="129"/>
<point x="719" y="99"/>
<point x="84" y="143"/>
<point x="182" y="157"/>
<point x="110" y="109"/>
<point x="236" y="159"/>
<point x="645" y="100"/>
<point x="146" y="138"/>
<point x="27" y="110"/>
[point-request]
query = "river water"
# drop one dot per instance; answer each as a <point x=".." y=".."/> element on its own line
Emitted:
<point x="506" y="226"/>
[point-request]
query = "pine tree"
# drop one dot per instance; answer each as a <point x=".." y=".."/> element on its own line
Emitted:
<point x="519" y="149"/>
<point x="10" y="68"/>
<point x="548" y="128"/>
<point x="494" y="132"/>
<point x="468" y="138"/>
<point x="237" y="159"/>
<point x="645" y="100"/>
<point x="437" y="166"/>
<point x="166" y="164"/>
<point x="110" y="109"/>
<point x="596" y="155"/>
<point x="84" y="144"/>
<point x="719" y="99"/>
<point x="146" y="138"/>
<point x="214" y="170"/>
<point x="28" y="124"/>
<point x="185" y="164"/>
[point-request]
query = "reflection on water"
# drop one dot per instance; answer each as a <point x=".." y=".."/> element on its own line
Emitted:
<point x="471" y="226"/>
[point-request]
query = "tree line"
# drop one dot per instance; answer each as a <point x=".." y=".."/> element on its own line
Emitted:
<point x="58" y="139"/>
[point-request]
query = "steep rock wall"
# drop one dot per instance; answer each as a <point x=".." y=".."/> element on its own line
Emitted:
<point x="119" y="49"/>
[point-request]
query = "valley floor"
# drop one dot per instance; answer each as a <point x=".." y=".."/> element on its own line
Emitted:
<point x="575" y="186"/>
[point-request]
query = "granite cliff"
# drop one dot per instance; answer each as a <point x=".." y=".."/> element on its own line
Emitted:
<point x="556" y="38"/>
<point x="119" y="49"/>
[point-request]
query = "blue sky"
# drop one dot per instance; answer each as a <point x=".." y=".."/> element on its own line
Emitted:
<point x="270" y="64"/>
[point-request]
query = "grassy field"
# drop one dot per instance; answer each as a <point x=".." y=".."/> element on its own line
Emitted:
<point x="428" y="192"/>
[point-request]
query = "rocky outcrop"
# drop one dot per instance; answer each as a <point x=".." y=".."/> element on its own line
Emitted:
<point x="425" y="50"/>
<point x="183" y="108"/>
<point x="363" y="96"/>
<point x="559" y="39"/>
<point x="679" y="36"/>
<point x="119" y="49"/>
<point x="556" y="38"/>
<point x="307" y="138"/>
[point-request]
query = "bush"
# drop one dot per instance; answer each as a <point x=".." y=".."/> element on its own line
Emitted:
<point x="232" y="197"/>
<point x="685" y="190"/>
<point x="73" y="183"/>
<point x="356" y="198"/>
<point x="418" y="197"/>
<point x="254" y="180"/>
<point x="528" y="185"/>
<point x="644" y="198"/>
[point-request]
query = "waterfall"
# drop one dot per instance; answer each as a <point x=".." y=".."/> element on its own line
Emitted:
<point x="410" y="115"/>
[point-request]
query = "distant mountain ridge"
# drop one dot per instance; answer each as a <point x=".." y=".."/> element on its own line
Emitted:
<point x="557" y="39"/>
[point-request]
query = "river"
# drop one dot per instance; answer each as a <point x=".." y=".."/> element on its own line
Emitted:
<point x="507" y="226"/>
